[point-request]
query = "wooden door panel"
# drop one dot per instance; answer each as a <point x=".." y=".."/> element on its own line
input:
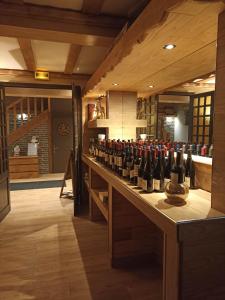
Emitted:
<point x="4" y="180"/>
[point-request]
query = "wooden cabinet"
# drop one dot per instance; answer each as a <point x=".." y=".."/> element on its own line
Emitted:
<point x="186" y="241"/>
<point x="21" y="167"/>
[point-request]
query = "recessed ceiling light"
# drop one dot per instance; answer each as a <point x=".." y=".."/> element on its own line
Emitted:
<point x="151" y="86"/>
<point x="115" y="84"/>
<point x="197" y="80"/>
<point x="169" y="46"/>
<point x="78" y="69"/>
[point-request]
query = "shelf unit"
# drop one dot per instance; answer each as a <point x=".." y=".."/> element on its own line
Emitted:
<point x="103" y="207"/>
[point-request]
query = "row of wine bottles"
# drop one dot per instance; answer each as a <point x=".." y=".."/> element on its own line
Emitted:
<point x="196" y="149"/>
<point x="148" y="166"/>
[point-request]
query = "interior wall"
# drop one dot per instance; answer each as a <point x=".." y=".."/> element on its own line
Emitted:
<point x="180" y="127"/>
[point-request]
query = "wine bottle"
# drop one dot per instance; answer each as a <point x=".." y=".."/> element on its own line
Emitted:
<point x="211" y="150"/>
<point x="124" y="168"/>
<point x="159" y="174"/>
<point x="141" y="169"/>
<point x="169" y="166"/>
<point x="120" y="160"/>
<point x="147" y="179"/>
<point x="190" y="171"/>
<point x="136" y="164"/>
<point x="133" y="156"/>
<point x="177" y="175"/>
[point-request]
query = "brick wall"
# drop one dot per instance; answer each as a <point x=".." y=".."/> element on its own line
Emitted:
<point x="41" y="132"/>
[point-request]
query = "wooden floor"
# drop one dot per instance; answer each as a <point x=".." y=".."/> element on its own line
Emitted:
<point x="47" y="254"/>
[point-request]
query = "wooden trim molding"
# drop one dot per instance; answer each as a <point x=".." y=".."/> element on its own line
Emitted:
<point x="23" y="76"/>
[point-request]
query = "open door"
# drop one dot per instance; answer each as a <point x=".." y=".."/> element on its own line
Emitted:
<point x="4" y="176"/>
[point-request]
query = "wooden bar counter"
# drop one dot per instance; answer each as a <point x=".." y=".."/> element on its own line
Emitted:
<point x="21" y="167"/>
<point x="187" y="242"/>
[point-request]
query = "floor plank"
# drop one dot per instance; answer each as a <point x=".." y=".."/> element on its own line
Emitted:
<point x="46" y="254"/>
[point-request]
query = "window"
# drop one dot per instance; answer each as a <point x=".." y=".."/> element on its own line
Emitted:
<point x="200" y="130"/>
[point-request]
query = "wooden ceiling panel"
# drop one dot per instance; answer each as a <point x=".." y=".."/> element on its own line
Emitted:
<point x="53" y="24"/>
<point x="68" y="4"/>
<point x="92" y="7"/>
<point x="147" y="63"/>
<point x="50" y="55"/>
<point x="10" y="54"/>
<point x="72" y="58"/>
<point x="28" y="55"/>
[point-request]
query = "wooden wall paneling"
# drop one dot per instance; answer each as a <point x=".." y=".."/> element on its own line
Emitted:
<point x="218" y="172"/>
<point x="133" y="237"/>
<point x="202" y="267"/>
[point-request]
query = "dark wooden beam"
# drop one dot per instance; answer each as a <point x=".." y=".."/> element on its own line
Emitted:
<point x="27" y="52"/>
<point x="27" y="77"/>
<point x="92" y="7"/>
<point x="72" y="58"/>
<point x="59" y="25"/>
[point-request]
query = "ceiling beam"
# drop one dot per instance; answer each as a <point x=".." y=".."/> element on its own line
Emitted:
<point x="27" y="77"/>
<point x="72" y="58"/>
<point x="92" y="7"/>
<point x="59" y="25"/>
<point x="155" y="13"/>
<point x="28" y="54"/>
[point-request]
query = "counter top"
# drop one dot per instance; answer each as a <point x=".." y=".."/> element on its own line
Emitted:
<point x="197" y="206"/>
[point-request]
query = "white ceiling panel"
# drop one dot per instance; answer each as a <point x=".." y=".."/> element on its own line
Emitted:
<point x="50" y="55"/>
<point x="10" y="54"/>
<point x="89" y="59"/>
<point x="68" y="4"/>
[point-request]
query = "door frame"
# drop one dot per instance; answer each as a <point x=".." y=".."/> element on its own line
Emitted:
<point x="77" y="129"/>
<point x="4" y="177"/>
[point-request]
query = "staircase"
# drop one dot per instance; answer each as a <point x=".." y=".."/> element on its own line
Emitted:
<point x="25" y="114"/>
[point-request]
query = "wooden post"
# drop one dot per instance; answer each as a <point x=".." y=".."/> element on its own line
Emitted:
<point x="218" y="173"/>
<point x="77" y="144"/>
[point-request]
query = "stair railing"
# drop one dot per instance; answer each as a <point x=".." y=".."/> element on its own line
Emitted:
<point x="23" y="110"/>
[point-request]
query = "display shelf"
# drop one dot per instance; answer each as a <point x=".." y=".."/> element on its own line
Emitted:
<point x="102" y="207"/>
<point x="106" y="123"/>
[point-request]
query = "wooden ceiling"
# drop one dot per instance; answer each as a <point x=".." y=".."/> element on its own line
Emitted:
<point x="70" y="37"/>
<point x="138" y="60"/>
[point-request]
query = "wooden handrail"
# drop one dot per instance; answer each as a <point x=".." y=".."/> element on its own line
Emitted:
<point x="21" y="107"/>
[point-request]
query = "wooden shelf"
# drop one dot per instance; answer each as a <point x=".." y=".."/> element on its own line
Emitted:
<point x="106" y="123"/>
<point x="103" y="207"/>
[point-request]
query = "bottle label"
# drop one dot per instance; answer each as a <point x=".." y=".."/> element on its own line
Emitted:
<point x="188" y="181"/>
<point x="156" y="185"/>
<point x="119" y="161"/>
<point x="131" y="174"/>
<point x="139" y="182"/>
<point x="174" y="177"/>
<point x="125" y="173"/>
<point x="110" y="159"/>
<point x="136" y="170"/>
<point x="144" y="185"/>
<point x="106" y="158"/>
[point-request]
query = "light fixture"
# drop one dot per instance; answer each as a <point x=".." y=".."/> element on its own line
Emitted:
<point x="78" y="69"/>
<point x="151" y="86"/>
<point x="169" y="46"/>
<point x="197" y="80"/>
<point x="115" y="84"/>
